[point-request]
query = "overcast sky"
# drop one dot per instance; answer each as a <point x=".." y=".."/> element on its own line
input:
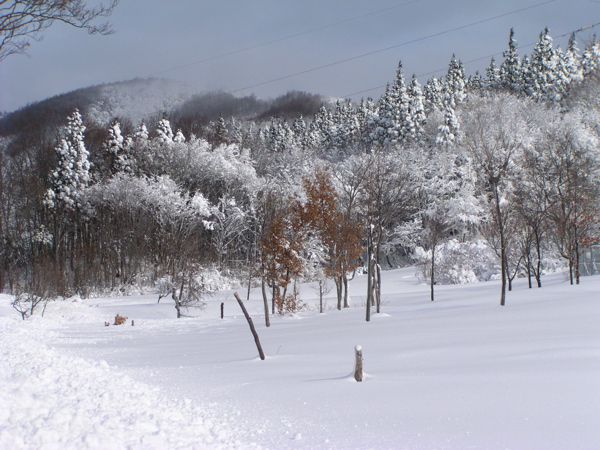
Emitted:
<point x="154" y="36"/>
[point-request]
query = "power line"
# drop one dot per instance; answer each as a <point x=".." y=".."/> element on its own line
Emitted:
<point x="391" y="47"/>
<point x="286" y="37"/>
<point x="479" y="58"/>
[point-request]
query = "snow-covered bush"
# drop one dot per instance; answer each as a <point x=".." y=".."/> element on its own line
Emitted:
<point x="459" y="262"/>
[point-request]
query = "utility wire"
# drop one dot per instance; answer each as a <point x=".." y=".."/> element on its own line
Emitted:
<point x="392" y="47"/>
<point x="479" y="58"/>
<point x="287" y="37"/>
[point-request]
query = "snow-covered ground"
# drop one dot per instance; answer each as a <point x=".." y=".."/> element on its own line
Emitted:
<point x="459" y="373"/>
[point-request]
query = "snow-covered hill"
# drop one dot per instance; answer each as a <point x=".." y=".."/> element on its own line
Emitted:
<point x="458" y="373"/>
<point x="135" y="100"/>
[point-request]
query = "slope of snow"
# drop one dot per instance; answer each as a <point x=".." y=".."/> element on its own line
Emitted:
<point x="53" y="400"/>
<point x="459" y="373"/>
<point x="137" y="99"/>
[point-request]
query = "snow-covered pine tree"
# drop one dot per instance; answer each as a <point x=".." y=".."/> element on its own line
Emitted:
<point x="590" y="58"/>
<point x="541" y="77"/>
<point x="164" y="131"/>
<point x="510" y="70"/>
<point x="492" y="75"/>
<point x="141" y="134"/>
<point x="475" y="83"/>
<point x="220" y="132"/>
<point x="299" y="129"/>
<point x="434" y="95"/>
<point x="456" y="81"/>
<point x="365" y="116"/>
<point x="573" y="61"/>
<point x="448" y="131"/>
<point x="179" y="137"/>
<point x="236" y="135"/>
<point x="117" y="150"/>
<point x="393" y="124"/>
<point x="383" y="124"/>
<point x="416" y="110"/>
<point x="72" y="172"/>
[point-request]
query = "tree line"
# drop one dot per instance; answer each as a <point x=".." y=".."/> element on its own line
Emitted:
<point x="473" y="177"/>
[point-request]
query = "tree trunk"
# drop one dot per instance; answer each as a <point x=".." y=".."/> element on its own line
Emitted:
<point x="338" y="289"/>
<point x="378" y="288"/>
<point x="432" y="281"/>
<point x="500" y="224"/>
<point x="529" y="269"/>
<point x="321" y="296"/>
<point x="538" y="271"/>
<point x="369" y="277"/>
<point x="571" y="270"/>
<point x="345" y="281"/>
<point x="249" y="284"/>
<point x="577" y="273"/>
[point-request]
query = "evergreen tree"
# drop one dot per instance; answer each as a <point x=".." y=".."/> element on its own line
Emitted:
<point x="434" y="95"/>
<point x="220" y="132"/>
<point x="492" y="75"/>
<point x="475" y="83"/>
<point x="416" y="110"/>
<point x="179" y="137"/>
<point x="117" y="149"/>
<point x="510" y="70"/>
<point x="573" y="61"/>
<point x="448" y="131"/>
<point x="456" y="81"/>
<point x="393" y="124"/>
<point x="72" y="172"/>
<point x="590" y="58"/>
<point x="541" y="78"/>
<point x="141" y="133"/>
<point x="164" y="131"/>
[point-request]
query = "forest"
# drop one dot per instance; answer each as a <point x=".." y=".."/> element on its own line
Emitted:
<point x="471" y="177"/>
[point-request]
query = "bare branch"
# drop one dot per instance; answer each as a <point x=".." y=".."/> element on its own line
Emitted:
<point x="23" y="21"/>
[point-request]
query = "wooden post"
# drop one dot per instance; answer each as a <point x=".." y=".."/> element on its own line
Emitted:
<point x="252" y="329"/>
<point x="222" y="309"/>
<point x="358" y="366"/>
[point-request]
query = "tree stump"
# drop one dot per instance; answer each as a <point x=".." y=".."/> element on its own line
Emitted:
<point x="358" y="366"/>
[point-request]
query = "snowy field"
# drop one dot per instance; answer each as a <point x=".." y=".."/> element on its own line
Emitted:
<point x="459" y="373"/>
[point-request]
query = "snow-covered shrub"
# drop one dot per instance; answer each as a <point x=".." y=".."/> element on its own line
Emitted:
<point x="459" y="262"/>
<point x="212" y="280"/>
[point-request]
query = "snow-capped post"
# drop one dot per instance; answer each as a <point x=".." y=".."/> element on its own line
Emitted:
<point x="252" y="329"/>
<point x="358" y="366"/>
<point x="222" y="308"/>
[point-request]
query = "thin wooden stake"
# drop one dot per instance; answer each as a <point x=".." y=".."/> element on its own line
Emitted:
<point x="222" y="309"/>
<point x="252" y="329"/>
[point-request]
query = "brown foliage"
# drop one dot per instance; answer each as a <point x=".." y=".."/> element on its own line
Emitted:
<point x="340" y="233"/>
<point x="282" y="245"/>
<point x="120" y="320"/>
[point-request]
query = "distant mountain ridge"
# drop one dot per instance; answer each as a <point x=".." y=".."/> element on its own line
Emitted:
<point x="135" y="99"/>
<point x="144" y="99"/>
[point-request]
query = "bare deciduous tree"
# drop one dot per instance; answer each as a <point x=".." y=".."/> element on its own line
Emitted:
<point x="22" y="21"/>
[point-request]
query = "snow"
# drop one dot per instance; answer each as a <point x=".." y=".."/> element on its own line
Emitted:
<point x="461" y="372"/>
